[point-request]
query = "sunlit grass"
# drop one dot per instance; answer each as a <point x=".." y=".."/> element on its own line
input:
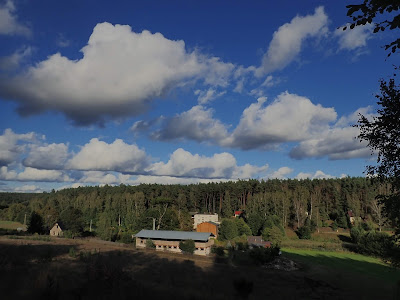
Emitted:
<point x="345" y="262"/>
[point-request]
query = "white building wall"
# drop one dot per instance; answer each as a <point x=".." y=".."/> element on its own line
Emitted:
<point x="201" y="218"/>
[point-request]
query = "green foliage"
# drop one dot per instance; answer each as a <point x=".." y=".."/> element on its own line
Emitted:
<point x="334" y="226"/>
<point x="73" y="220"/>
<point x="35" y="223"/>
<point x="304" y="233"/>
<point x="72" y="252"/>
<point x="125" y="237"/>
<point x="187" y="246"/>
<point x="356" y="233"/>
<point x="227" y="230"/>
<point x="369" y="11"/>
<point x="274" y="235"/>
<point x="255" y="222"/>
<point x="261" y="256"/>
<point x="150" y="244"/>
<point x="242" y="227"/>
<point x="218" y="250"/>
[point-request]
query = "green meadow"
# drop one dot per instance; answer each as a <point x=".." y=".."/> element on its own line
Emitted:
<point x="349" y="263"/>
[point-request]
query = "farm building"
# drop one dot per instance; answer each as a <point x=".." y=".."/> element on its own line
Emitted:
<point x="56" y="230"/>
<point x="211" y="227"/>
<point x="257" y="241"/>
<point x="166" y="240"/>
<point x="201" y="218"/>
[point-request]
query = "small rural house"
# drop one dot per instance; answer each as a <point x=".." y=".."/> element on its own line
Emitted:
<point x="211" y="227"/>
<point x="166" y="240"/>
<point x="56" y="230"/>
<point x="237" y="213"/>
<point x="201" y="218"/>
<point x="257" y="241"/>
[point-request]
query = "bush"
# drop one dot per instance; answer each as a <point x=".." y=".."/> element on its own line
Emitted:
<point x="126" y="237"/>
<point x="219" y="251"/>
<point x="263" y="255"/>
<point x="334" y="226"/>
<point x="72" y="252"/>
<point x="274" y="235"/>
<point x="187" y="246"/>
<point x="304" y="233"/>
<point x="150" y="244"/>
<point x="228" y="230"/>
<point x="375" y="243"/>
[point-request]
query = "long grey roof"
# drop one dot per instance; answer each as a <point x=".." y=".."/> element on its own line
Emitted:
<point x="173" y="235"/>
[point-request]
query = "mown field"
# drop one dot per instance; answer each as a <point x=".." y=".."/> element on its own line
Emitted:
<point x="11" y="225"/>
<point x="346" y="262"/>
<point x="93" y="269"/>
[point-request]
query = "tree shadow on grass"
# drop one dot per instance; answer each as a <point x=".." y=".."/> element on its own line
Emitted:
<point x="132" y="274"/>
<point x="373" y="280"/>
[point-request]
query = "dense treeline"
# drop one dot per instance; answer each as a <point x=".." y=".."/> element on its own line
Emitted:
<point x="130" y="208"/>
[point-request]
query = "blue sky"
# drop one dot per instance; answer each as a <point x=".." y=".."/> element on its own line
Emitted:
<point x="100" y="92"/>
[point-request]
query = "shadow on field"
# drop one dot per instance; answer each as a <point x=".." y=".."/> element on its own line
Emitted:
<point x="45" y="272"/>
<point x="371" y="280"/>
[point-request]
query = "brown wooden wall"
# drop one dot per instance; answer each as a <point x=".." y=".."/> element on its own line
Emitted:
<point x="207" y="227"/>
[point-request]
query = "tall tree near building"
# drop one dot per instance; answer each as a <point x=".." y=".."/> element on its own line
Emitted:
<point x="382" y="133"/>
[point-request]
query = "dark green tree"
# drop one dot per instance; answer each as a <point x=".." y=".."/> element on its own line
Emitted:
<point x="242" y="227"/>
<point x="384" y="14"/>
<point x="227" y="230"/>
<point x="273" y="235"/>
<point x="73" y="220"/>
<point x="187" y="246"/>
<point x="382" y="134"/>
<point x="35" y="223"/>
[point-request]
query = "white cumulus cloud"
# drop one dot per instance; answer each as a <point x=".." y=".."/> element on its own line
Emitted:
<point x="120" y="72"/>
<point x="117" y="156"/>
<point x="221" y="165"/>
<point x="9" y="24"/>
<point x="287" y="41"/>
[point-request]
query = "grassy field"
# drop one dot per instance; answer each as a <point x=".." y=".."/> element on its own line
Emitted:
<point x="11" y="225"/>
<point x="347" y="264"/>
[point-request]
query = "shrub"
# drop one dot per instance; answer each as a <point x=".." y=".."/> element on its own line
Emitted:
<point x="356" y="233"/>
<point x="150" y="244"/>
<point x="274" y="235"/>
<point x="219" y="251"/>
<point x="334" y="226"/>
<point x="126" y="238"/>
<point x="263" y="255"/>
<point x="187" y="246"/>
<point x="72" y="252"/>
<point x="228" y="230"/>
<point x="304" y="233"/>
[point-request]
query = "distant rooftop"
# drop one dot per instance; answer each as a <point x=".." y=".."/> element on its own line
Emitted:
<point x="173" y="235"/>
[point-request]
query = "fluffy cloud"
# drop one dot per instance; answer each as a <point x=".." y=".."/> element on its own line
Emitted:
<point x="9" y="24"/>
<point x="352" y="39"/>
<point x="32" y="174"/>
<point x="281" y="173"/>
<point x="51" y="156"/>
<point x="99" y="177"/>
<point x="28" y="189"/>
<point x="11" y="146"/>
<point x="196" y="124"/>
<point x="288" y="118"/>
<point x="222" y="165"/>
<point x="317" y="175"/>
<point x="208" y="95"/>
<point x="120" y="72"/>
<point x="338" y="142"/>
<point x="117" y="156"/>
<point x="287" y="40"/>
<point x="13" y="61"/>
